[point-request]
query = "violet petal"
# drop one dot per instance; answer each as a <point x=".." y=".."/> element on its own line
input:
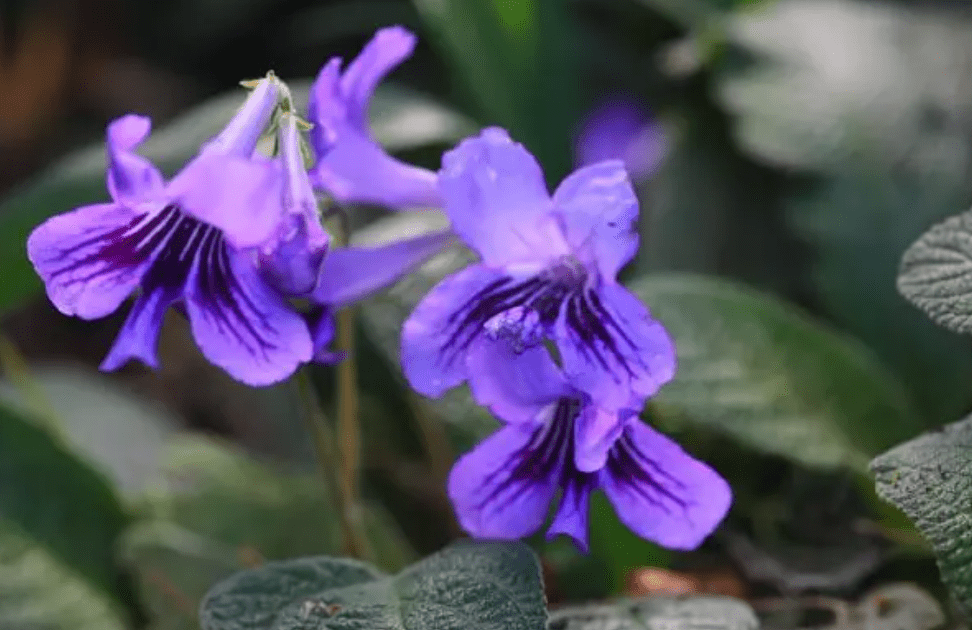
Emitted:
<point x="662" y="493"/>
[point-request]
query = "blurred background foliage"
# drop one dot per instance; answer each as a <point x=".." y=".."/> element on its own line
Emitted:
<point x="808" y="143"/>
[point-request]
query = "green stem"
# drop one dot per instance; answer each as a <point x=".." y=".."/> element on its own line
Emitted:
<point x="319" y="429"/>
<point x="348" y="425"/>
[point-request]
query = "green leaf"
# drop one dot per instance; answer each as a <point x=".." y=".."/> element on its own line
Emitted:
<point x="696" y="613"/>
<point x="38" y="590"/>
<point x="930" y="479"/>
<point x="758" y="370"/>
<point x="856" y="276"/>
<point x="873" y="87"/>
<point x="516" y="59"/>
<point x="59" y="523"/>
<point x="402" y="119"/>
<point x="936" y="273"/>
<point x="58" y="500"/>
<point x="218" y="511"/>
<point x="468" y="585"/>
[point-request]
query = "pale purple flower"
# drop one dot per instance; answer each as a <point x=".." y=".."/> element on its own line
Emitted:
<point x="621" y="129"/>
<point x="192" y="242"/>
<point x="351" y="166"/>
<point x="557" y="438"/>
<point x="547" y="273"/>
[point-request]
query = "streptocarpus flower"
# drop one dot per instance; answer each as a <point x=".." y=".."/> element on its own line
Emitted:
<point x="191" y="242"/>
<point x="555" y="439"/>
<point x="351" y="166"/>
<point x="547" y="272"/>
<point x="621" y="129"/>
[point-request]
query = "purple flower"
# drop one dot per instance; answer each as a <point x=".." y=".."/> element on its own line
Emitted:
<point x="621" y="129"/>
<point x="558" y="438"/>
<point x="191" y="242"/>
<point x="351" y="166"/>
<point x="547" y="272"/>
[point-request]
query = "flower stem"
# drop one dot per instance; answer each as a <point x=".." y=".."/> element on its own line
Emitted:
<point x="317" y="426"/>
<point x="348" y="425"/>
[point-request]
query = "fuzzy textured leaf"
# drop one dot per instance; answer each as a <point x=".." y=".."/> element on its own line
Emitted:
<point x="760" y="371"/>
<point x="468" y="586"/>
<point x="930" y="479"/>
<point x="936" y="273"/>
<point x="697" y="613"/>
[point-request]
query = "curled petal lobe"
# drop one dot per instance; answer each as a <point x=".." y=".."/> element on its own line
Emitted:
<point x="240" y="323"/>
<point x="662" y="493"/>
<point x="516" y="387"/>
<point x="387" y="49"/>
<point x="599" y="211"/>
<point x="139" y="335"/>
<point x="434" y="348"/>
<point x="352" y="273"/>
<point x="92" y="258"/>
<point x="496" y="198"/>
<point x="294" y="264"/>
<point x="239" y="196"/>
<point x="503" y="487"/>
<point x="612" y="348"/>
<point x="350" y="165"/>
<point x="130" y="177"/>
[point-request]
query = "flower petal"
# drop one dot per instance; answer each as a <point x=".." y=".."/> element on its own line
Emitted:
<point x="92" y="258"/>
<point x="241" y="134"/>
<point x="242" y="197"/>
<point x="497" y="200"/>
<point x="599" y="211"/>
<point x="387" y="49"/>
<point x="351" y="166"/>
<point x="139" y="335"/>
<point x="502" y="489"/>
<point x="131" y="178"/>
<point x="434" y="349"/>
<point x="612" y="348"/>
<point x="516" y="387"/>
<point x="321" y="322"/>
<point x="621" y="129"/>
<point x="595" y="433"/>
<point x="571" y="517"/>
<point x="352" y="273"/>
<point x="356" y="170"/>
<point x="239" y="323"/>
<point x="661" y="492"/>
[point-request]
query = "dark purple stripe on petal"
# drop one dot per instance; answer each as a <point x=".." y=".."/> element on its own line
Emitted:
<point x="542" y="458"/>
<point x="124" y="247"/>
<point x="637" y="470"/>
<point x="601" y="337"/>
<point x="543" y="295"/>
<point x="233" y="308"/>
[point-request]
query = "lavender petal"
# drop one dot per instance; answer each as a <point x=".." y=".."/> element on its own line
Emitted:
<point x="612" y="348"/>
<point x="433" y="352"/>
<point x="662" y="493"/>
<point x="240" y="323"/>
<point x="92" y="258"/>
<point x="599" y="210"/>
<point x="496" y="198"/>
<point x="352" y="273"/>
<point x="503" y="487"/>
